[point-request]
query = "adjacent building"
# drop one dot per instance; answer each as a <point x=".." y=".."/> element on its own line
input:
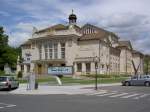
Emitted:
<point x="71" y="45"/>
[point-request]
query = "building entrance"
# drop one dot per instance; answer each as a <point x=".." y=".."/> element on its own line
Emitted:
<point x="39" y="69"/>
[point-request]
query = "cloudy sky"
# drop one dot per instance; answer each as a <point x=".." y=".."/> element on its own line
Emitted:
<point x="129" y="19"/>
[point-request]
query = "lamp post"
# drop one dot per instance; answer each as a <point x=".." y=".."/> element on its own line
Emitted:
<point x="96" y="60"/>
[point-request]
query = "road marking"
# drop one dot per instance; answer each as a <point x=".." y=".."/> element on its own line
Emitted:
<point x="122" y="94"/>
<point x="142" y="96"/>
<point x="5" y="105"/>
<point x="106" y="94"/>
<point x="11" y="106"/>
<point x="101" y="92"/>
<point x="128" y="96"/>
<point x="113" y="94"/>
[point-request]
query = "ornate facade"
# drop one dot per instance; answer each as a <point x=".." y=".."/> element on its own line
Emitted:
<point x="71" y="45"/>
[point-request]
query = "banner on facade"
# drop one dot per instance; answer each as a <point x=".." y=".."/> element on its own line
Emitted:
<point x="60" y="70"/>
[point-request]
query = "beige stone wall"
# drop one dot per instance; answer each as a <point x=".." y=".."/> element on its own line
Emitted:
<point x="129" y="61"/>
<point x="125" y="61"/>
<point x="71" y="51"/>
<point x="91" y="49"/>
<point x="114" y="64"/>
<point x="87" y="49"/>
<point x="104" y="58"/>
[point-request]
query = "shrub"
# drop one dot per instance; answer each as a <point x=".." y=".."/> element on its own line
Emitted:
<point x="98" y="75"/>
<point x="106" y="75"/>
<point x="60" y="76"/>
<point x="19" y="74"/>
<point x="2" y="72"/>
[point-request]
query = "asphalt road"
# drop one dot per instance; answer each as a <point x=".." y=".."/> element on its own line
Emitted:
<point x="95" y="102"/>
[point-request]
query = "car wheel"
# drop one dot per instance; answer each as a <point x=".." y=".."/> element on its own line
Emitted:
<point x="9" y="87"/>
<point x="127" y="84"/>
<point x="147" y="84"/>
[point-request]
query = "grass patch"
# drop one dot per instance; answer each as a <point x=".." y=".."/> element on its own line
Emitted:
<point x="91" y="81"/>
<point x="70" y="80"/>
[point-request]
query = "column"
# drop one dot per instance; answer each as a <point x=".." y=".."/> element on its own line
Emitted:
<point x="18" y="68"/>
<point x="32" y="67"/>
<point x="99" y="70"/>
<point x="59" y="50"/>
<point x="75" y="68"/>
<point x="43" y="52"/>
<point x="83" y="68"/>
<point x="92" y="68"/>
<point x="46" y="68"/>
<point x="25" y="70"/>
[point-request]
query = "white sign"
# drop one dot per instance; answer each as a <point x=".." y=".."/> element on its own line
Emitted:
<point x="60" y="70"/>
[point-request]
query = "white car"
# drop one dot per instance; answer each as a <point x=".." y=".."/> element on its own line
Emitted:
<point x="8" y="82"/>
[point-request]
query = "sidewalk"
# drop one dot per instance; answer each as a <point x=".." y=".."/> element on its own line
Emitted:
<point x="70" y="90"/>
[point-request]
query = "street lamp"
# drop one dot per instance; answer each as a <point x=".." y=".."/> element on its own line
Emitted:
<point x="96" y="60"/>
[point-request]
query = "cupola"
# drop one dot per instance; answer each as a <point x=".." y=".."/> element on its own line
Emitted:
<point x="72" y="18"/>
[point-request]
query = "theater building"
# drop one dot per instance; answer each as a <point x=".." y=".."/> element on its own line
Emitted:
<point x="71" y="45"/>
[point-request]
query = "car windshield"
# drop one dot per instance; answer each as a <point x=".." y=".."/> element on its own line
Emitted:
<point x="3" y="79"/>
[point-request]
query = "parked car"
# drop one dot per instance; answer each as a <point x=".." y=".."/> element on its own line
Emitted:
<point x="137" y="80"/>
<point x="8" y="82"/>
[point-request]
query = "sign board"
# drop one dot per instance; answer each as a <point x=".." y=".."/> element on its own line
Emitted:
<point x="68" y="70"/>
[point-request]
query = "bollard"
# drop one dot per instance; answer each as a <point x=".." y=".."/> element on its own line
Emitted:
<point x="36" y="85"/>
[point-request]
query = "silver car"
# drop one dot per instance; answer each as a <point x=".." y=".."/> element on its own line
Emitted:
<point x="137" y="80"/>
<point x="8" y="82"/>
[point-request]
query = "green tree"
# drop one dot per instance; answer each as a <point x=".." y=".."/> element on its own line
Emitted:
<point x="146" y="63"/>
<point x="8" y="54"/>
<point x="3" y="37"/>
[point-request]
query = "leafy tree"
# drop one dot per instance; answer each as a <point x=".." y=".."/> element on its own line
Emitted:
<point x="8" y="54"/>
<point x="146" y="63"/>
<point x="3" y="37"/>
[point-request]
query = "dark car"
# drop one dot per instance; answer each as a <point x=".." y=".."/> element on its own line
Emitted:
<point x="137" y="80"/>
<point x="8" y="82"/>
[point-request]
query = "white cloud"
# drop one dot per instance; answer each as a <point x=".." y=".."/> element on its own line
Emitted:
<point x="130" y="19"/>
<point x="26" y="27"/>
<point x="18" y="38"/>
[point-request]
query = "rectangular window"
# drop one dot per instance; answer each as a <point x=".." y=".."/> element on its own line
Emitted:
<point x="40" y="51"/>
<point x="46" y="51"/>
<point x="50" y="51"/>
<point x="55" y="50"/>
<point x="79" y="67"/>
<point x="62" y="50"/>
<point x="28" y="59"/>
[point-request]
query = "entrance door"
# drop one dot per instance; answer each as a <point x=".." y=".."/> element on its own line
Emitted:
<point x="39" y="69"/>
<point x="63" y="64"/>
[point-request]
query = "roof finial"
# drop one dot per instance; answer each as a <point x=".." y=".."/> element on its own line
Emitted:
<point x="72" y="11"/>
